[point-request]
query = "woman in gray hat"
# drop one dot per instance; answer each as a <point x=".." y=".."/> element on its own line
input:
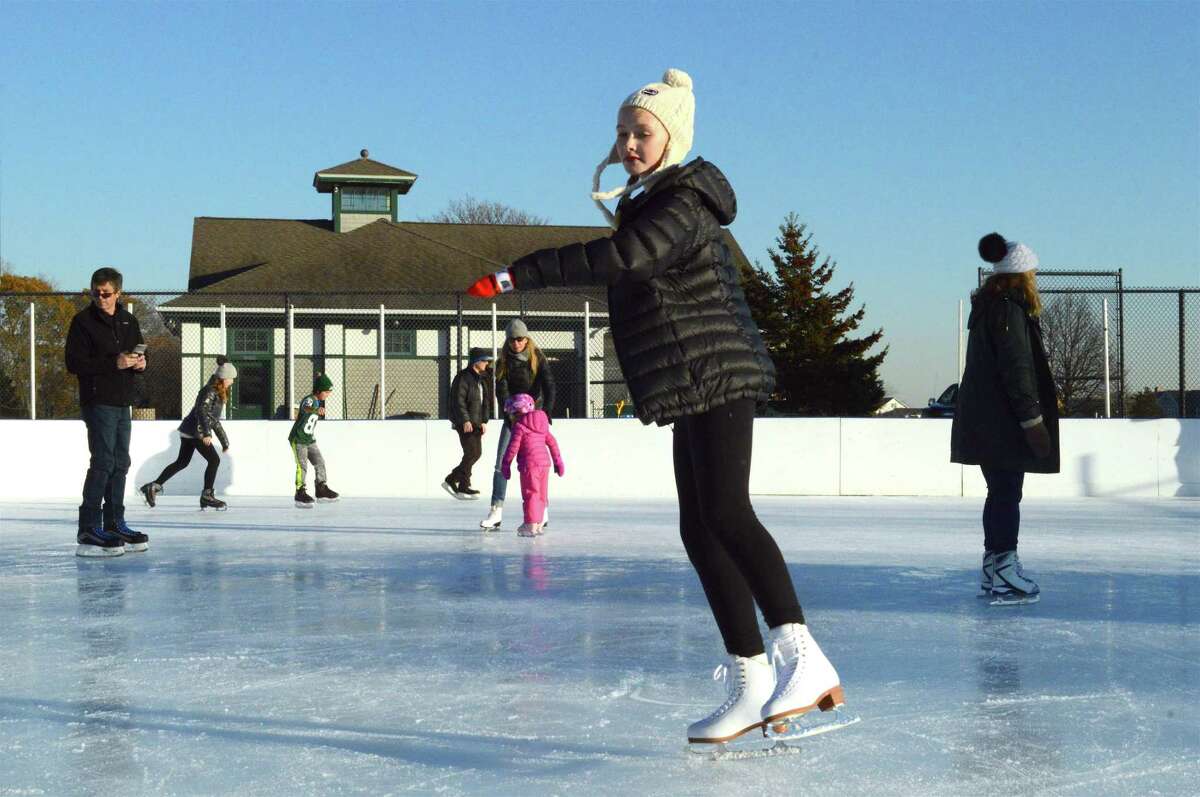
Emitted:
<point x="522" y="368"/>
<point x="196" y="434"/>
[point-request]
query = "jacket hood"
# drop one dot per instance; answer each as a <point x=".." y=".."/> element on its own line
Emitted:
<point x="537" y="421"/>
<point x="709" y="182"/>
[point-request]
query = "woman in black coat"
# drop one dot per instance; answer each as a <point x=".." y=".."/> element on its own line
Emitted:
<point x="522" y="368"/>
<point x="693" y="357"/>
<point x="1006" y="420"/>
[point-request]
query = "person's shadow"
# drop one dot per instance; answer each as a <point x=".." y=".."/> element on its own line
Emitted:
<point x="1187" y="458"/>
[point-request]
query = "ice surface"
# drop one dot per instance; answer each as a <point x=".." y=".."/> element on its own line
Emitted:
<point x="390" y="647"/>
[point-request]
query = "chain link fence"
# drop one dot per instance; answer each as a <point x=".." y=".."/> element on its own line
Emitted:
<point x="390" y="355"/>
<point x="1119" y="351"/>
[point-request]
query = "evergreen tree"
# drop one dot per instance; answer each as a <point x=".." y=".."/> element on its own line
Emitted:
<point x="821" y="370"/>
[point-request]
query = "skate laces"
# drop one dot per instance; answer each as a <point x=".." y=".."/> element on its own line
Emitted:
<point x="735" y="684"/>
<point x="788" y="661"/>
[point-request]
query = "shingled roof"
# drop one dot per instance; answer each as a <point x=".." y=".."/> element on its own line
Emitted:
<point x="363" y="170"/>
<point x="300" y="256"/>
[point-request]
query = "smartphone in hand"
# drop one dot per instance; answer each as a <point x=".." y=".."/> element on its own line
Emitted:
<point x="139" y="349"/>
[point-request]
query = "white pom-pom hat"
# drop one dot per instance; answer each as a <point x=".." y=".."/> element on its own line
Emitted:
<point x="672" y="103"/>
<point x="1020" y="258"/>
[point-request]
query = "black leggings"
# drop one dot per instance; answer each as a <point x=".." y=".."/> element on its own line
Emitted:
<point x="1002" y="508"/>
<point x="186" y="446"/>
<point x="737" y="560"/>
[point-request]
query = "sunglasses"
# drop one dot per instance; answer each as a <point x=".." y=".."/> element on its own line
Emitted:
<point x="104" y="294"/>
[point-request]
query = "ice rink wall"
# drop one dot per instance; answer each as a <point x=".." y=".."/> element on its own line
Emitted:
<point x="620" y="458"/>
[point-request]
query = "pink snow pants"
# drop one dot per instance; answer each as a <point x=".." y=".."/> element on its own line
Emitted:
<point x="534" y="492"/>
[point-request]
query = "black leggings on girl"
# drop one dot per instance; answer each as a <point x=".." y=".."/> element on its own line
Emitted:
<point x="737" y="560"/>
<point x="186" y="446"/>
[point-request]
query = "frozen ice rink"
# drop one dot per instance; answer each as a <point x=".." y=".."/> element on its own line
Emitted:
<point x="390" y="647"/>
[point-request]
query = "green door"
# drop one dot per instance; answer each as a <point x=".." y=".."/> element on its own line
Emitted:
<point x="250" y="351"/>
<point x="251" y="397"/>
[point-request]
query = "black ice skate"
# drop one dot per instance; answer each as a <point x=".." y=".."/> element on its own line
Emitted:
<point x="452" y="486"/>
<point x="135" y="541"/>
<point x="303" y="499"/>
<point x="96" y="542"/>
<point x="210" y="501"/>
<point x="324" y="494"/>
<point x="150" y="492"/>
<point x="467" y="490"/>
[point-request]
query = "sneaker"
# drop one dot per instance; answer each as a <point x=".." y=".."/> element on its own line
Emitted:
<point x="1010" y="585"/>
<point x="492" y="521"/>
<point x="303" y="499"/>
<point x="96" y="542"/>
<point x="804" y="678"/>
<point x="150" y="492"/>
<point x="134" y="541"/>
<point x="749" y="682"/>
<point x="324" y="494"/>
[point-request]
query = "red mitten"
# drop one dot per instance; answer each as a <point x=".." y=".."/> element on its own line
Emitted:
<point x="492" y="284"/>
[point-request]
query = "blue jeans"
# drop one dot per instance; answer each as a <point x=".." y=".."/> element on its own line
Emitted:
<point x="499" y="483"/>
<point x="108" y="431"/>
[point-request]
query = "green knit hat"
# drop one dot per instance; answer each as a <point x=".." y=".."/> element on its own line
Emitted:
<point x="321" y="383"/>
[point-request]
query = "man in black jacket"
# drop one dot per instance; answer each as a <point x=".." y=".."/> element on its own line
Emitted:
<point x="104" y="349"/>
<point x="471" y="399"/>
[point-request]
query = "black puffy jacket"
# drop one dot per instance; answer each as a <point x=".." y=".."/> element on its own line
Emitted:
<point x="94" y="340"/>
<point x="1007" y="382"/>
<point x="681" y="328"/>
<point x="205" y="418"/>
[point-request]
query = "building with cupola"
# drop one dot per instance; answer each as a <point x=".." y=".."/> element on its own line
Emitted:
<point x="377" y="302"/>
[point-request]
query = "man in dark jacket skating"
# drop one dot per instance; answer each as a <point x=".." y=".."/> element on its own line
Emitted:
<point x="471" y="399"/>
<point x="104" y="350"/>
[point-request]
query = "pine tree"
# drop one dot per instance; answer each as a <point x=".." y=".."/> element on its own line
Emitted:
<point x="820" y="369"/>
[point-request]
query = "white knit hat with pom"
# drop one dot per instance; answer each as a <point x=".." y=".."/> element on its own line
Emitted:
<point x="1007" y="257"/>
<point x="672" y="103"/>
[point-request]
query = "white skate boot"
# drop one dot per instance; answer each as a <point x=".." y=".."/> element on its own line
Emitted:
<point x="1011" y="587"/>
<point x="987" y="574"/>
<point x="804" y="680"/>
<point x="750" y="682"/>
<point x="526" y="530"/>
<point x="492" y="521"/>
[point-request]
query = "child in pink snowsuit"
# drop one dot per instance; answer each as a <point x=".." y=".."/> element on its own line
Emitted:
<point x="531" y="438"/>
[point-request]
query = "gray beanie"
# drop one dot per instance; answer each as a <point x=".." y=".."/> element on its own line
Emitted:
<point x="516" y="329"/>
<point x="225" y="371"/>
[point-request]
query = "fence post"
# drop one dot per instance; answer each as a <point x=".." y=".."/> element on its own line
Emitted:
<point x="32" y="363"/>
<point x="1121" y="342"/>
<point x="1107" y="383"/>
<point x="290" y="348"/>
<point x="458" y="356"/>
<point x="382" y="364"/>
<point x="587" y="359"/>
<point x="495" y="356"/>
<point x="225" y="351"/>
<point x="1182" y="383"/>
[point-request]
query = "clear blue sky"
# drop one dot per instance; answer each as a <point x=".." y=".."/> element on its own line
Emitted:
<point x="899" y="132"/>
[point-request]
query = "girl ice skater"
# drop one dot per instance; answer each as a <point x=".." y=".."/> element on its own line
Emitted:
<point x="693" y="356"/>
<point x="1006" y="420"/>
<point x="196" y="434"/>
<point x="531" y="438"/>
<point x="522" y="368"/>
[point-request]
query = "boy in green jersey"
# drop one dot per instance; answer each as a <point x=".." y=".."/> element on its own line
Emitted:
<point x="304" y="443"/>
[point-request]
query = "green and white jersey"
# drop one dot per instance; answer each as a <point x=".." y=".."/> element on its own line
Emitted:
<point x="305" y="428"/>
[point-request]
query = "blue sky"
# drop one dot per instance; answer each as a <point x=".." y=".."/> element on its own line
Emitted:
<point x="899" y="132"/>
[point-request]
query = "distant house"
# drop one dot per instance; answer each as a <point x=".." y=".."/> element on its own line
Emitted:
<point x="378" y="304"/>
<point x="889" y="406"/>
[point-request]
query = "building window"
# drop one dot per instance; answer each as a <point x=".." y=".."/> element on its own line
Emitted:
<point x="366" y="199"/>
<point x="250" y="341"/>
<point x="400" y="342"/>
